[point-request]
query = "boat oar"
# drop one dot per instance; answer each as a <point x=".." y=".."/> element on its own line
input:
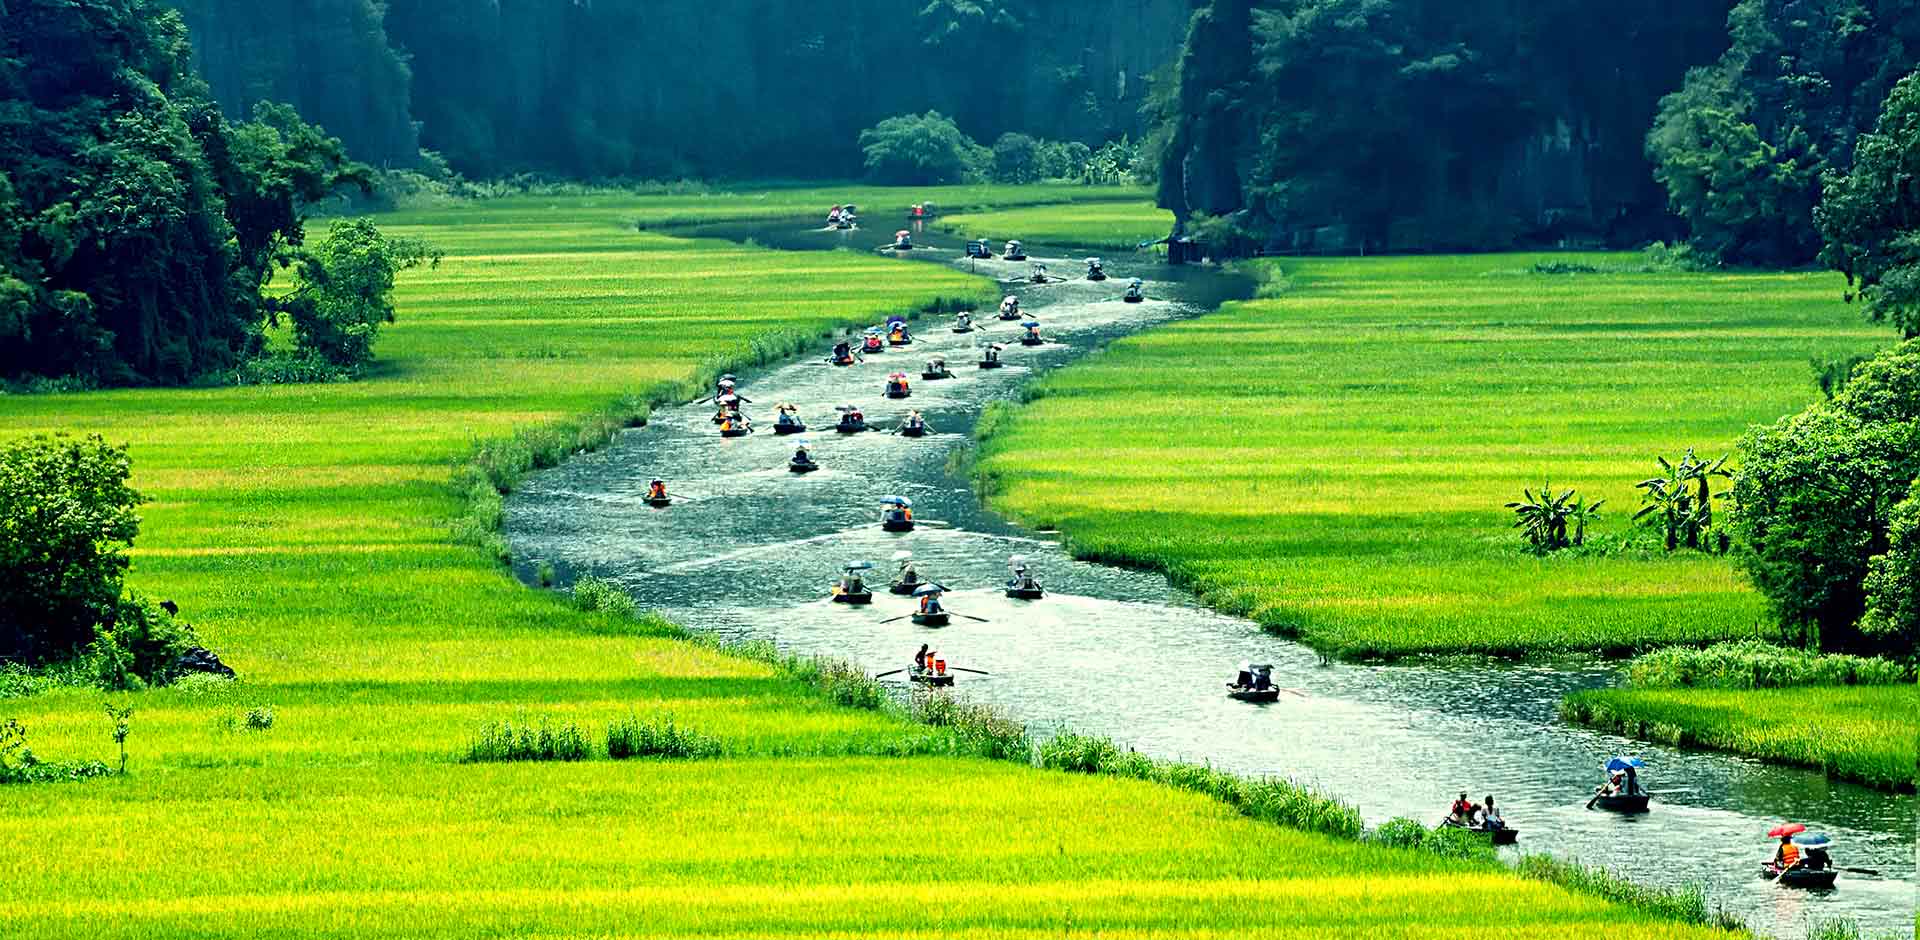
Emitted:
<point x="972" y="617"/>
<point x="892" y="619"/>
<point x="886" y="674"/>
<point x="1596" y="799"/>
<point x="1875" y="872"/>
<point x="1667" y="790"/>
<point x="1783" y="871"/>
<point x="975" y="671"/>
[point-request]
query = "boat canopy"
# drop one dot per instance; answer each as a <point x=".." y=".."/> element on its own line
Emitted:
<point x="1813" y="840"/>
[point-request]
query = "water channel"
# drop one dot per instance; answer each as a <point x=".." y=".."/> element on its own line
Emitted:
<point x="1118" y="653"/>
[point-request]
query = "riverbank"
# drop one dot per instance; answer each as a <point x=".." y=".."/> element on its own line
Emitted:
<point x="307" y="532"/>
<point x="1332" y="459"/>
<point x="1865" y="734"/>
<point x="1105" y="226"/>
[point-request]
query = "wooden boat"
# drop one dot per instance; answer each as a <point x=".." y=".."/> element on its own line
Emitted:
<point x="795" y="466"/>
<point x="852" y="597"/>
<point x="940" y="619"/>
<point x="1032" y="341"/>
<point x="793" y="427"/>
<point x="990" y="363"/>
<point x="899" y="393"/>
<point x="1622" y="803"/>
<point x="932" y="679"/>
<point x="917" y="430"/>
<point x="1012" y="315"/>
<point x="901" y="341"/>
<point x="897" y="525"/>
<point x="1026" y="593"/>
<point x="935" y="376"/>
<point x="1812" y="879"/>
<point x="963" y="329"/>
<point x="735" y="432"/>
<point x="904" y="588"/>
<point x="657" y="502"/>
<point x="850" y="427"/>
<point x="1260" y="696"/>
<point x="1133" y="298"/>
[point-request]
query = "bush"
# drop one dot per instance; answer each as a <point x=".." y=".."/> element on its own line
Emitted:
<point x="660" y="737"/>
<point x="140" y="647"/>
<point x="505" y="741"/>
<point x="1017" y="158"/>
<point x="66" y="520"/>
<point x="597" y="594"/>
<point x="921" y="150"/>
<point x="982" y="731"/>
<point x="1752" y="664"/>
<point x="287" y="367"/>
<point x="19" y="765"/>
<point x="343" y="290"/>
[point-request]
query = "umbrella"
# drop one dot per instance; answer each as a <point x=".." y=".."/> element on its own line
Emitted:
<point x="805" y="442"/>
<point x="896" y="321"/>
<point x="902" y="555"/>
<point x="1031" y="324"/>
<point x="1622" y="763"/>
<point x="895" y="501"/>
<point x="1785" y="829"/>
<point x="929" y="588"/>
<point x="1813" y="840"/>
<point x="859" y="565"/>
<point x="897" y="375"/>
<point x="728" y="377"/>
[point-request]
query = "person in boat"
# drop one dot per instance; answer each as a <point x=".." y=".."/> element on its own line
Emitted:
<point x="897" y="332"/>
<point x="938" y="366"/>
<point x="897" y="385"/>
<point x="1022" y="579"/>
<point x="735" y="421"/>
<point x="786" y="416"/>
<point x="930" y="604"/>
<point x="991" y="354"/>
<point x="1815" y="858"/>
<point x="1038" y="275"/>
<point x="1095" y="269"/>
<point x="915" y="422"/>
<point x="919" y="211"/>
<point x="657" y="489"/>
<point x="834" y="216"/>
<point x="1462" y="810"/>
<point x="922" y="658"/>
<point x="1245" y="678"/>
<point x="964" y="320"/>
<point x="874" y="343"/>
<point x="1033" y="333"/>
<point x="1490" y="818"/>
<point x="1014" y="251"/>
<point x="1787" y="855"/>
<point x="1262" y="678"/>
<point x="1009" y="306"/>
<point x="1135" y="290"/>
<point x="902" y="240"/>
<point x="802" y="456"/>
<point x="843" y="353"/>
<point x="1632" y="784"/>
<point x="908" y="573"/>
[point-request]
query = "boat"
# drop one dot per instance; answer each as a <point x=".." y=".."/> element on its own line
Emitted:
<point x="657" y="502"/>
<point x="1623" y="803"/>
<point x="990" y="363"/>
<point x="904" y="588"/>
<point x="1032" y="341"/>
<point x="1812" y="879"/>
<point x="850" y="427"/>
<point x="1133" y="298"/>
<point x="932" y="679"/>
<point x="935" y="376"/>
<point x="913" y="430"/>
<point x="795" y="466"/>
<point x="896" y="525"/>
<point x="1011" y="314"/>
<point x="789" y="427"/>
<point x="1260" y="696"/>
<point x="898" y="391"/>
<point x="896" y="514"/>
<point x="963" y="329"/>
<point x="1033" y="593"/>
<point x="937" y="619"/>
<point x="735" y="432"/>
<point x="853" y="597"/>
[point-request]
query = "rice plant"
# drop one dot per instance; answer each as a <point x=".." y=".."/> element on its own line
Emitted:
<point x="658" y="737"/>
<point x="507" y="741"/>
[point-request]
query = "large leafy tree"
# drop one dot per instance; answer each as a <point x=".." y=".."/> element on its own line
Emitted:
<point x="1871" y="215"/>
<point x="343" y="290"/>
<point x="137" y="225"/>
<point x="921" y="149"/>
<point x="1742" y="146"/>
<point x="67" y="516"/>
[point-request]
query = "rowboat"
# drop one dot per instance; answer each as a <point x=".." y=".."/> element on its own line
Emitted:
<point x="904" y="588"/>
<point x="936" y="376"/>
<point x="850" y="427"/>
<point x="896" y="525"/>
<point x="657" y="502"/>
<point x="989" y="363"/>
<point x="1622" y="803"/>
<point x="1032" y="341"/>
<point x="1262" y="696"/>
<point x="939" y="619"/>
<point x="853" y="597"/>
<point x="734" y="432"/>
<point x="793" y="427"/>
<point x="1801" y="877"/>
<point x="795" y="466"/>
<point x="1026" y="593"/>
<point x="913" y="430"/>
<point x="935" y="680"/>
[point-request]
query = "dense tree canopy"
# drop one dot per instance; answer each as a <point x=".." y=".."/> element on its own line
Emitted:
<point x="1741" y="148"/>
<point x="1871" y="215"/>
<point x="1405" y="124"/>
<point x="137" y="225"/>
<point x="67" y="516"/>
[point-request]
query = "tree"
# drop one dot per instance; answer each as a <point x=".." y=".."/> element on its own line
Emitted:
<point x="1815" y="498"/>
<point x="66" y="518"/>
<point x="1870" y="216"/>
<point x="1682" y="500"/>
<point x="1016" y="159"/>
<point x="920" y="150"/>
<point x="1742" y="147"/>
<point x="1885" y="388"/>
<point x="1893" y="581"/>
<point x="343" y="290"/>
<point x="1551" y="523"/>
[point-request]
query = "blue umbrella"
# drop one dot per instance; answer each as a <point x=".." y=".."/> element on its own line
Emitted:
<point x="1031" y="324"/>
<point x="1813" y="840"/>
<point x="1622" y="763"/>
<point x="873" y="331"/>
<point x="896" y="321"/>
<point x="859" y="565"/>
<point x="925" y="589"/>
<point x="895" y="501"/>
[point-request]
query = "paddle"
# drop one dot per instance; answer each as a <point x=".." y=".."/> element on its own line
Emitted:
<point x="1783" y="871"/>
<point x="892" y="619"/>
<point x="1596" y="796"/>
<point x="974" y="671"/>
<point x="972" y="617"/>
<point x="1875" y="872"/>
<point x="886" y="674"/>
<point x="1667" y="790"/>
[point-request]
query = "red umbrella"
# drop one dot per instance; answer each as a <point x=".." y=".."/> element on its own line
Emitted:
<point x="1784" y="830"/>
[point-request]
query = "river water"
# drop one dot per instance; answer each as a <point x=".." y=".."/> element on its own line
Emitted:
<point x="751" y="550"/>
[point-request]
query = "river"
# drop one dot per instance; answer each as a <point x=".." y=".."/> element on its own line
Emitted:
<point x="752" y="549"/>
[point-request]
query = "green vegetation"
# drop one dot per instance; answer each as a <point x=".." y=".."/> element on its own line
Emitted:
<point x="1859" y="733"/>
<point x="1331" y="459"/>
<point x="1756" y="665"/>
<point x="1091" y="225"/>
<point x="1871" y="216"/>
<point x="921" y="150"/>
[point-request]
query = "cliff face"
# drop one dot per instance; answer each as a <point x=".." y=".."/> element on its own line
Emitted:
<point x="330" y="59"/>
<point x="674" y="87"/>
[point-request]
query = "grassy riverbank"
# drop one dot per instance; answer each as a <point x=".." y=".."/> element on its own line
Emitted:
<point x="1104" y="226"/>
<point x="306" y="531"/>
<point x="1332" y="458"/>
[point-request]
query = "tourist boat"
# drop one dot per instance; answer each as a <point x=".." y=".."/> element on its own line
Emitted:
<point x="1801" y="877"/>
<point x="937" y="619"/>
<point x="1261" y="696"/>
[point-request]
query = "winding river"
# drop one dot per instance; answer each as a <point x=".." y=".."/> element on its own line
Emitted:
<point x="1121" y="653"/>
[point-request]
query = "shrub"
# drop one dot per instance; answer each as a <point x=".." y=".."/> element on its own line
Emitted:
<point x="1551" y="523"/>
<point x="258" y="718"/>
<point x="288" y="367"/>
<point x="1017" y="158"/>
<point x="981" y="730"/>
<point x="1752" y="664"/>
<point x="659" y="737"/>
<point x="921" y="150"/>
<point x="841" y="682"/>
<point x="597" y="594"/>
<point x="19" y="765"/>
<point x="343" y="290"/>
<point x="141" y="645"/>
<point x="506" y="741"/>
<point x="66" y="520"/>
<point x="1399" y="832"/>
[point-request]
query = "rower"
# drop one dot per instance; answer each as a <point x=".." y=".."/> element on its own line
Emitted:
<point x="1009" y="307"/>
<point x="897" y="332"/>
<point x="1096" y="271"/>
<point x="843" y="353"/>
<point x="902" y="241"/>
<point x="915" y="422"/>
<point x="801" y="456"/>
<point x="873" y="343"/>
<point x="787" y="415"/>
<point x="1015" y="251"/>
<point x="1462" y="810"/>
<point x="1038" y="274"/>
<point x="657" y="489"/>
<point x="921" y="658"/>
<point x="978" y="248"/>
<point x="908" y="574"/>
<point x="1135" y="291"/>
<point x="991" y="353"/>
<point x="963" y="321"/>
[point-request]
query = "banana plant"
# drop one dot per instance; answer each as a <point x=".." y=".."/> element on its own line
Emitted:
<point x="1682" y="501"/>
<point x="1545" y="519"/>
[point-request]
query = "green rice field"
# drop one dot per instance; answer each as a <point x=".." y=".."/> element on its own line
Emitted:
<point x="1332" y="458"/>
<point x="1860" y="733"/>
<point x="306" y="531"/>
<point x="1108" y="226"/>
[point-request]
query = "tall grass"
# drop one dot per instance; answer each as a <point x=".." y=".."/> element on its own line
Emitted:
<point x="659" y="737"/>
<point x="508" y="741"/>
<point x="1756" y="665"/>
